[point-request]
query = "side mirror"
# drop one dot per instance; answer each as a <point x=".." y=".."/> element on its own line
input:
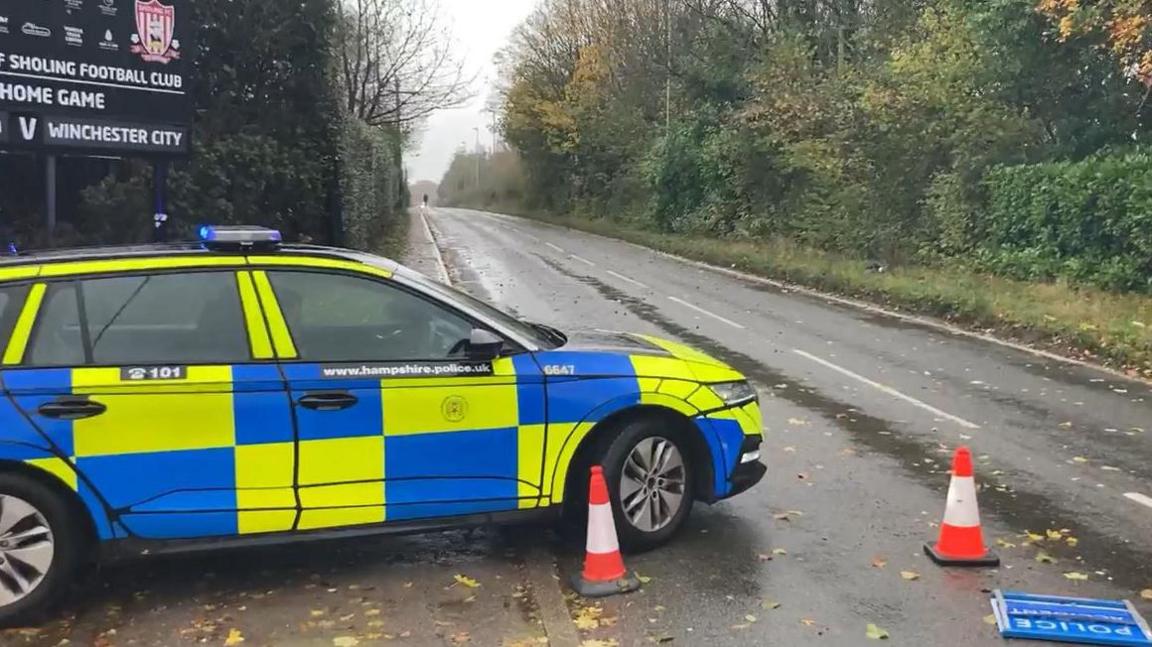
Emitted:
<point x="484" y="345"/>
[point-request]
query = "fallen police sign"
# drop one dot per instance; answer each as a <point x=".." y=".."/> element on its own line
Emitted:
<point x="101" y="76"/>
<point x="1069" y="620"/>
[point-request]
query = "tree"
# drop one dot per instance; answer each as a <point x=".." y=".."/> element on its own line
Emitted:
<point x="396" y="62"/>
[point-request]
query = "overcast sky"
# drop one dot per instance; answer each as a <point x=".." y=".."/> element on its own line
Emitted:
<point x="482" y="28"/>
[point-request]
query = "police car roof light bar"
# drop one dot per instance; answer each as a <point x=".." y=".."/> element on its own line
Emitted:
<point x="219" y="237"/>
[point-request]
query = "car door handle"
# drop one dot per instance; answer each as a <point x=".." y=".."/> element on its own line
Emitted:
<point x="328" y="400"/>
<point x="71" y="408"/>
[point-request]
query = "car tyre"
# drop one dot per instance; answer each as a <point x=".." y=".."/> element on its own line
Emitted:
<point x="41" y="548"/>
<point x="651" y="482"/>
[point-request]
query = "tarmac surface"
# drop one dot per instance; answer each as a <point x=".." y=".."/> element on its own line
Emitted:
<point x="862" y="412"/>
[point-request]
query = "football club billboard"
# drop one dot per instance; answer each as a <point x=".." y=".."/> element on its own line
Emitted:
<point x="105" y="77"/>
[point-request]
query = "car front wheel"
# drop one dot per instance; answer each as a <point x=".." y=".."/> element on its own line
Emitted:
<point x="650" y="480"/>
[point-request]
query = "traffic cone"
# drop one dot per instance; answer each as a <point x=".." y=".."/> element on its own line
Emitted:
<point x="604" y="572"/>
<point x="961" y="540"/>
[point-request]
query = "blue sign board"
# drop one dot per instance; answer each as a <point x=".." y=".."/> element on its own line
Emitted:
<point x="1070" y="620"/>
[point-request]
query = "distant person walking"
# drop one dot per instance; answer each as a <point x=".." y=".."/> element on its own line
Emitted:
<point x="424" y="204"/>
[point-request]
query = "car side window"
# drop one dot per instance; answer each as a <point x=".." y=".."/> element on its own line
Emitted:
<point x="190" y="318"/>
<point x="343" y="318"/>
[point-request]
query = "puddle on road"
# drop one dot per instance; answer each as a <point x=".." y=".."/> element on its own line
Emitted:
<point x="1130" y="566"/>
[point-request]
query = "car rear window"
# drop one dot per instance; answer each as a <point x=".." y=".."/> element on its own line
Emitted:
<point x="190" y="318"/>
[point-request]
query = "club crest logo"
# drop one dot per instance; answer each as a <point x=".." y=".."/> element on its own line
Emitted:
<point x="153" y="40"/>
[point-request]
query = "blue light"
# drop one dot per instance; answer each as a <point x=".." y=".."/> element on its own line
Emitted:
<point x="205" y="233"/>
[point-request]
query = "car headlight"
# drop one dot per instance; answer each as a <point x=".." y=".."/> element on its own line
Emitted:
<point x="735" y="393"/>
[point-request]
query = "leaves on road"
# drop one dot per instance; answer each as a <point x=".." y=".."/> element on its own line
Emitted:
<point x="595" y="642"/>
<point x="1079" y="577"/>
<point x="910" y="575"/>
<point x="1045" y="558"/>
<point x="461" y="637"/>
<point x="799" y="422"/>
<point x="1079" y="459"/>
<point x="750" y="618"/>
<point x="879" y="562"/>
<point x="779" y="551"/>
<point x="808" y="622"/>
<point x="1146" y="594"/>
<point x="588" y="618"/>
<point x="875" y="633"/>
<point x="1072" y="541"/>
<point x="1004" y="543"/>
<point x="772" y="604"/>
<point x="1033" y="536"/>
<point x="466" y="581"/>
<point x="643" y="579"/>
<point x="345" y="641"/>
<point x="1053" y="534"/>
<point x="990" y="619"/>
<point x="234" y="638"/>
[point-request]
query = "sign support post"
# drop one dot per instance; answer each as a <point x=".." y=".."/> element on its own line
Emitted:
<point x="50" y="195"/>
<point x="160" y="201"/>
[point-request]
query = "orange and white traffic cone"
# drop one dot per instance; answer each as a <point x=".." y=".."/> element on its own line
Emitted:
<point x="604" y="572"/>
<point x="961" y="540"/>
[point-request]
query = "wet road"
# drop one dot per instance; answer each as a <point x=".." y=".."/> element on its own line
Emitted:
<point x="862" y="412"/>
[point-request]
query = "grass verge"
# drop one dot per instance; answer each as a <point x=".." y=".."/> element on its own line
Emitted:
<point x="1092" y="325"/>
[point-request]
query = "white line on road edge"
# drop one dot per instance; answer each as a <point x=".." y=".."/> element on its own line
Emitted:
<point x="625" y="278"/>
<point x="556" y="247"/>
<point x="583" y="260"/>
<point x="705" y="312"/>
<point x="445" y="277"/>
<point x="1139" y="498"/>
<point x="887" y="389"/>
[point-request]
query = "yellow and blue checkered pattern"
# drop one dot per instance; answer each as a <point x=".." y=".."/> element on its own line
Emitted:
<point x="223" y="450"/>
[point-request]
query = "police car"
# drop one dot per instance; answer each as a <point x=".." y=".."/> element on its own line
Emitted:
<point x="239" y="390"/>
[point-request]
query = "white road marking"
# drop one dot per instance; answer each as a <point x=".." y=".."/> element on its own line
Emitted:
<point x="705" y="312"/>
<point x="445" y="277"/>
<point x="583" y="260"/>
<point x="556" y="247"/>
<point x="1142" y="499"/>
<point x="887" y="389"/>
<point x="625" y="278"/>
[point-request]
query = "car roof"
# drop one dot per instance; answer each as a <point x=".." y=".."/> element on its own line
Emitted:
<point x="169" y="250"/>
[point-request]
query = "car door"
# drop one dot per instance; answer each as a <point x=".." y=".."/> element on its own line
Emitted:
<point x="170" y="407"/>
<point x="393" y="422"/>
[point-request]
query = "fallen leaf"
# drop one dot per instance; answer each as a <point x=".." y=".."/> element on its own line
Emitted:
<point x="808" y="622"/>
<point x="800" y="422"/>
<point x="910" y="575"/>
<point x="345" y="641"/>
<point x="750" y="618"/>
<point x="779" y="551"/>
<point x="407" y="585"/>
<point x="1079" y="577"/>
<point x="318" y="613"/>
<point x="741" y="626"/>
<point x="1072" y="541"/>
<point x="588" y="618"/>
<point x="461" y="637"/>
<point x="1146" y="594"/>
<point x="644" y="579"/>
<point x="1079" y="459"/>
<point x="1066" y="425"/>
<point x="234" y="638"/>
<point x="879" y="562"/>
<point x="782" y="516"/>
<point x="1003" y="543"/>
<point x="1053" y="534"/>
<point x="1045" y="558"/>
<point x="764" y="557"/>
<point x="772" y="604"/>
<point x="875" y="633"/>
<point x="596" y="642"/>
<point x="1033" y="536"/>
<point x="466" y="581"/>
<point x="990" y="619"/>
